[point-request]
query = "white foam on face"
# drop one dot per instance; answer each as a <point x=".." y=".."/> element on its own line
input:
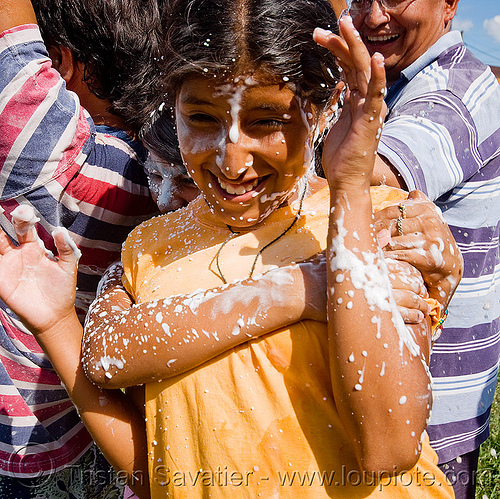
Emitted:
<point x="216" y="139"/>
<point x="235" y="103"/>
<point x="199" y="144"/>
<point x="165" y="181"/>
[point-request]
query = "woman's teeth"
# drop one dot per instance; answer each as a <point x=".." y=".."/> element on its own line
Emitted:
<point x="239" y="189"/>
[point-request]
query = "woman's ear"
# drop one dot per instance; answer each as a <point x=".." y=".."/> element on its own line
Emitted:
<point x="62" y="61"/>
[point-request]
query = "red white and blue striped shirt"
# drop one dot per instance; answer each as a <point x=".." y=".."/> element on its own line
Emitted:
<point x="86" y="178"/>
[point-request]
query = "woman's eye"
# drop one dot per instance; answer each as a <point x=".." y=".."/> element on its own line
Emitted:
<point x="155" y="177"/>
<point x="270" y="123"/>
<point x="202" y="118"/>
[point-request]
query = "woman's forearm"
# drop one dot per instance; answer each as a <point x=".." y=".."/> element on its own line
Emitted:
<point x="378" y="364"/>
<point x="129" y="345"/>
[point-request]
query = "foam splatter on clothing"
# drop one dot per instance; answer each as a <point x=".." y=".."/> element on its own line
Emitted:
<point x="259" y="420"/>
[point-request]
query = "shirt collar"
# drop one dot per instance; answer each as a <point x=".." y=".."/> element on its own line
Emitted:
<point x="445" y="42"/>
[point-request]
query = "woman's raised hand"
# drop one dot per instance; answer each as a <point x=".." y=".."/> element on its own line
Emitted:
<point x="39" y="288"/>
<point x="351" y="144"/>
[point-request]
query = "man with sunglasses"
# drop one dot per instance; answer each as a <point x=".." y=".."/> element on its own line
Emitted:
<point x="442" y="136"/>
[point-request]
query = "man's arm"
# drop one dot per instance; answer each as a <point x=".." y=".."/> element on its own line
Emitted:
<point x="14" y="13"/>
<point x="385" y="174"/>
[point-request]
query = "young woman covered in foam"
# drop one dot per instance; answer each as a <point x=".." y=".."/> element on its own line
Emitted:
<point x="313" y="396"/>
<point x="344" y="398"/>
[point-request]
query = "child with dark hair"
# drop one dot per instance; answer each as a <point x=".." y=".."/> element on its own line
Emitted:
<point x="71" y="103"/>
<point x="340" y="398"/>
<point x="116" y="44"/>
<point x="170" y="185"/>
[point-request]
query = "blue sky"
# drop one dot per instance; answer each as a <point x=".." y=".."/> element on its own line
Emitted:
<point x="479" y="20"/>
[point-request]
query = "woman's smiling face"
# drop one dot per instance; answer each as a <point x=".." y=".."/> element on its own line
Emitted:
<point x="245" y="143"/>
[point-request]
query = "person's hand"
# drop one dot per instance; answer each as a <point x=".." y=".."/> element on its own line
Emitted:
<point x="350" y="146"/>
<point x="350" y="52"/>
<point x="409" y="291"/>
<point x="424" y="240"/>
<point x="407" y="283"/>
<point x="38" y="288"/>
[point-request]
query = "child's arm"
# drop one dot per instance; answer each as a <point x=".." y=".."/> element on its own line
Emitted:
<point x="15" y="13"/>
<point x="41" y="291"/>
<point x="125" y="344"/>
<point x="378" y="364"/>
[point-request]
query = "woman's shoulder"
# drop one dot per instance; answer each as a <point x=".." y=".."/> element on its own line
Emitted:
<point x="381" y="195"/>
<point x="180" y="220"/>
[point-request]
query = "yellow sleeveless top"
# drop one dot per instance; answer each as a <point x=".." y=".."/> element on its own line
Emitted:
<point x="259" y="420"/>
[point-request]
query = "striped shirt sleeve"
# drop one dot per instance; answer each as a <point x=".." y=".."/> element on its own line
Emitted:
<point x="34" y="100"/>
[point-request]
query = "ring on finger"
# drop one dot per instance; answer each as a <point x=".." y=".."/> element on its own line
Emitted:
<point x="402" y="209"/>
<point x="399" y="225"/>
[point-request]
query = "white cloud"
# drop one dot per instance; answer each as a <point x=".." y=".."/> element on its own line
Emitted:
<point x="463" y="25"/>
<point x="492" y="27"/>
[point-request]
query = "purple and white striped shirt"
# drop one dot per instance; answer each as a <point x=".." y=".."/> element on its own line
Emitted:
<point x="443" y="135"/>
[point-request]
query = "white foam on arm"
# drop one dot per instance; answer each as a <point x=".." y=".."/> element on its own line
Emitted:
<point x="68" y="240"/>
<point x="24" y="219"/>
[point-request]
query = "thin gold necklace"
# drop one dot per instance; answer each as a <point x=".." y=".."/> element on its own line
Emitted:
<point x="233" y="234"/>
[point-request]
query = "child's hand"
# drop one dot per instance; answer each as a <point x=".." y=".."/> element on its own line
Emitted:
<point x="38" y="288"/>
<point x="351" y="144"/>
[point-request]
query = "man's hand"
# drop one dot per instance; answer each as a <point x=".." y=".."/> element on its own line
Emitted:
<point x="407" y="283"/>
<point x="424" y="240"/>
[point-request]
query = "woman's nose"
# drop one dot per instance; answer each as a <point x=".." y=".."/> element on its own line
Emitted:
<point x="236" y="158"/>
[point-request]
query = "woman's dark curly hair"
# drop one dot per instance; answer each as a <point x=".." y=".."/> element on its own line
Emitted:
<point x="222" y="38"/>
<point x="118" y="41"/>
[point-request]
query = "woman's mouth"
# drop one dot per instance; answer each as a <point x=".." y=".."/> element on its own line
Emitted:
<point x="237" y="189"/>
